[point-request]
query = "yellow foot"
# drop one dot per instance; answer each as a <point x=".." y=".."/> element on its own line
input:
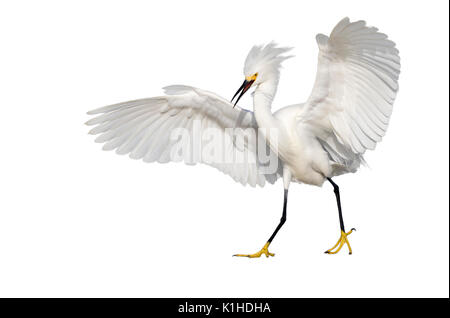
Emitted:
<point x="342" y="240"/>
<point x="264" y="250"/>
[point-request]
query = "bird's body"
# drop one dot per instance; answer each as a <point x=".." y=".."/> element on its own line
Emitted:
<point x="347" y="113"/>
<point x="314" y="166"/>
<point x="300" y="153"/>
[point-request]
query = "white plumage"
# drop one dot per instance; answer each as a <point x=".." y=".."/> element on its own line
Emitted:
<point x="355" y="88"/>
<point x="347" y="113"/>
<point x="142" y="129"/>
<point x="348" y="110"/>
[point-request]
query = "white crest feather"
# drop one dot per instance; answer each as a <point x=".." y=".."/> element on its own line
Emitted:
<point x="265" y="59"/>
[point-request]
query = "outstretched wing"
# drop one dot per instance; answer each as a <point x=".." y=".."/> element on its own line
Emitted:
<point x="191" y="125"/>
<point x="355" y="88"/>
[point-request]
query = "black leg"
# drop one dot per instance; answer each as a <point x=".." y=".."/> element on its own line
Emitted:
<point x="343" y="239"/>
<point x="283" y="217"/>
<point x="338" y="200"/>
<point x="265" y="249"/>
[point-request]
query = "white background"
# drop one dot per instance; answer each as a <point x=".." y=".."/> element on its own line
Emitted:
<point x="77" y="221"/>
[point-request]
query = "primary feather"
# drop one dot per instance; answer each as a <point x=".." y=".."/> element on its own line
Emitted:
<point x="356" y="85"/>
<point x="142" y="129"/>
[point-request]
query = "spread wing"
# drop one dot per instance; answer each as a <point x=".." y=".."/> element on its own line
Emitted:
<point x="190" y="125"/>
<point x="355" y="88"/>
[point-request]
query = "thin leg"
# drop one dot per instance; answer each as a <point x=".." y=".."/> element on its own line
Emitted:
<point x="343" y="239"/>
<point x="283" y="217"/>
<point x="265" y="249"/>
<point x="338" y="200"/>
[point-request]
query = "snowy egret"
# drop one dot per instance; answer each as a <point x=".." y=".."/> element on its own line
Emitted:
<point x="347" y="113"/>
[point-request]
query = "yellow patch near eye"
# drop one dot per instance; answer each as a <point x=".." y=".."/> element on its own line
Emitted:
<point x="251" y="78"/>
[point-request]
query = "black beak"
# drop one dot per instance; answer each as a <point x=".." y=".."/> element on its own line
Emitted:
<point x="244" y="87"/>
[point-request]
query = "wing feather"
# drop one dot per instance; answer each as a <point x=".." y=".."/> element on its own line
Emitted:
<point x="142" y="128"/>
<point x="355" y="88"/>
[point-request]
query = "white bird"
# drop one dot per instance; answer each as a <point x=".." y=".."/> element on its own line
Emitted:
<point x="347" y="113"/>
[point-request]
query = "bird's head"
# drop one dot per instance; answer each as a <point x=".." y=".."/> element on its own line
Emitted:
<point x="262" y="64"/>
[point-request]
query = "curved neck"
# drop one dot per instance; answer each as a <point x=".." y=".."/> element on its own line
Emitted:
<point x="262" y="103"/>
